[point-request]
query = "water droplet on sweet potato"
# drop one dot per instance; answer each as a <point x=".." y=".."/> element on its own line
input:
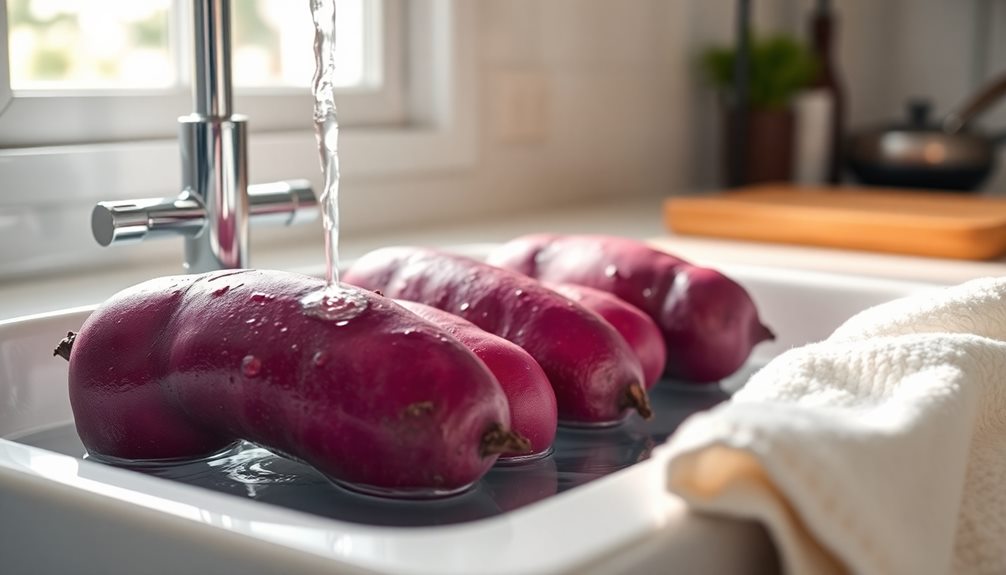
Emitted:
<point x="251" y="366"/>
<point x="335" y="303"/>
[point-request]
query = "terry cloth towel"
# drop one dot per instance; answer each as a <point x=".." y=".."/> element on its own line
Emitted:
<point x="879" y="450"/>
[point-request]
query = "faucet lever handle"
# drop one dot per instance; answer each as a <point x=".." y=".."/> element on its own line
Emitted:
<point x="132" y="221"/>
<point x="283" y="203"/>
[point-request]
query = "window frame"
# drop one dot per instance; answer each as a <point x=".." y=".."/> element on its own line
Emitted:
<point x="440" y="131"/>
<point x="51" y="117"/>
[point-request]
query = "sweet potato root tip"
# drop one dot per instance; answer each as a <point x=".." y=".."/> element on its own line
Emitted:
<point x="635" y="398"/>
<point x="763" y="333"/>
<point x="500" y="440"/>
<point x="65" y="346"/>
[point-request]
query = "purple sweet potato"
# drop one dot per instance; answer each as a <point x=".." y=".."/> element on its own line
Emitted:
<point x="381" y="400"/>
<point x="639" y="331"/>
<point x="595" y="376"/>
<point x="532" y="401"/>
<point x="709" y="322"/>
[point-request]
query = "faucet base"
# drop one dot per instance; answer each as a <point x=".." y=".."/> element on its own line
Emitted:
<point x="215" y="168"/>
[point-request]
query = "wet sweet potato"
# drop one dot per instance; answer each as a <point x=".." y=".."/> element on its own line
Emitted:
<point x="709" y="322"/>
<point x="639" y="331"/>
<point x="595" y="375"/>
<point x="379" y="399"/>
<point x="532" y="401"/>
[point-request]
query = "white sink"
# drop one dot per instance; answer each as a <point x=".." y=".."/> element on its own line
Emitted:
<point x="59" y="513"/>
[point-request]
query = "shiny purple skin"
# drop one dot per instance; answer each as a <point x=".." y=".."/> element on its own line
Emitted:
<point x="639" y="331"/>
<point x="181" y="367"/>
<point x="709" y="322"/>
<point x="532" y="402"/>
<point x="589" y="365"/>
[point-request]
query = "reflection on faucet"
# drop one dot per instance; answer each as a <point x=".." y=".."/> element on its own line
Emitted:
<point x="213" y="209"/>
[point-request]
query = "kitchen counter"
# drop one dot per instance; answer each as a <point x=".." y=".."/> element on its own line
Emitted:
<point x="639" y="218"/>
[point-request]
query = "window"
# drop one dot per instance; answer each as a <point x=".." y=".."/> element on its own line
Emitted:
<point x="114" y="70"/>
<point x="66" y="46"/>
<point x="61" y="151"/>
<point x="127" y="44"/>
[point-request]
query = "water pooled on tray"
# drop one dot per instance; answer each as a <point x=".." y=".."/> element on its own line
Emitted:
<point x="580" y="456"/>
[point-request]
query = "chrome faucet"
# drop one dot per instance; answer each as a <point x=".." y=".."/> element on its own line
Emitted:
<point x="215" y="205"/>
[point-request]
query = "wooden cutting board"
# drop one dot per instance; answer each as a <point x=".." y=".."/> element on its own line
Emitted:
<point x="906" y="222"/>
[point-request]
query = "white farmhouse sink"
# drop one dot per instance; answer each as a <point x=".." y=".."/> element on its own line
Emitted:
<point x="61" y="513"/>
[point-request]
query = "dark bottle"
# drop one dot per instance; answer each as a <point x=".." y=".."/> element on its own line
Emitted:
<point x="823" y="38"/>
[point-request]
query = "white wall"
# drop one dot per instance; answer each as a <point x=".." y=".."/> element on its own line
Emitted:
<point x="900" y="49"/>
<point x="616" y="97"/>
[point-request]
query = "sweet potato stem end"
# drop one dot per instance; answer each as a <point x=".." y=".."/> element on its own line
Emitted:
<point x="65" y="346"/>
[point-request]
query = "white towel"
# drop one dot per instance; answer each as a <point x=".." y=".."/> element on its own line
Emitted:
<point x="879" y="450"/>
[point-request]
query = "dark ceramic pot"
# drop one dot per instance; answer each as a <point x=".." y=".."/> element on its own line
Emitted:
<point x="768" y="144"/>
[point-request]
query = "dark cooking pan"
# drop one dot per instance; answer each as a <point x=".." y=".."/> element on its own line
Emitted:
<point x="950" y="155"/>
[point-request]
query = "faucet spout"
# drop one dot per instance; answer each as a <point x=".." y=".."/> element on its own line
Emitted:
<point x="214" y="147"/>
<point x="211" y="86"/>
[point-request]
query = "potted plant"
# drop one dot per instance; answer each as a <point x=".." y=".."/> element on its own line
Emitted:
<point x="779" y="67"/>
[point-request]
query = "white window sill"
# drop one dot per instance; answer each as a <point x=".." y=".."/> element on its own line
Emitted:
<point x="639" y="218"/>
